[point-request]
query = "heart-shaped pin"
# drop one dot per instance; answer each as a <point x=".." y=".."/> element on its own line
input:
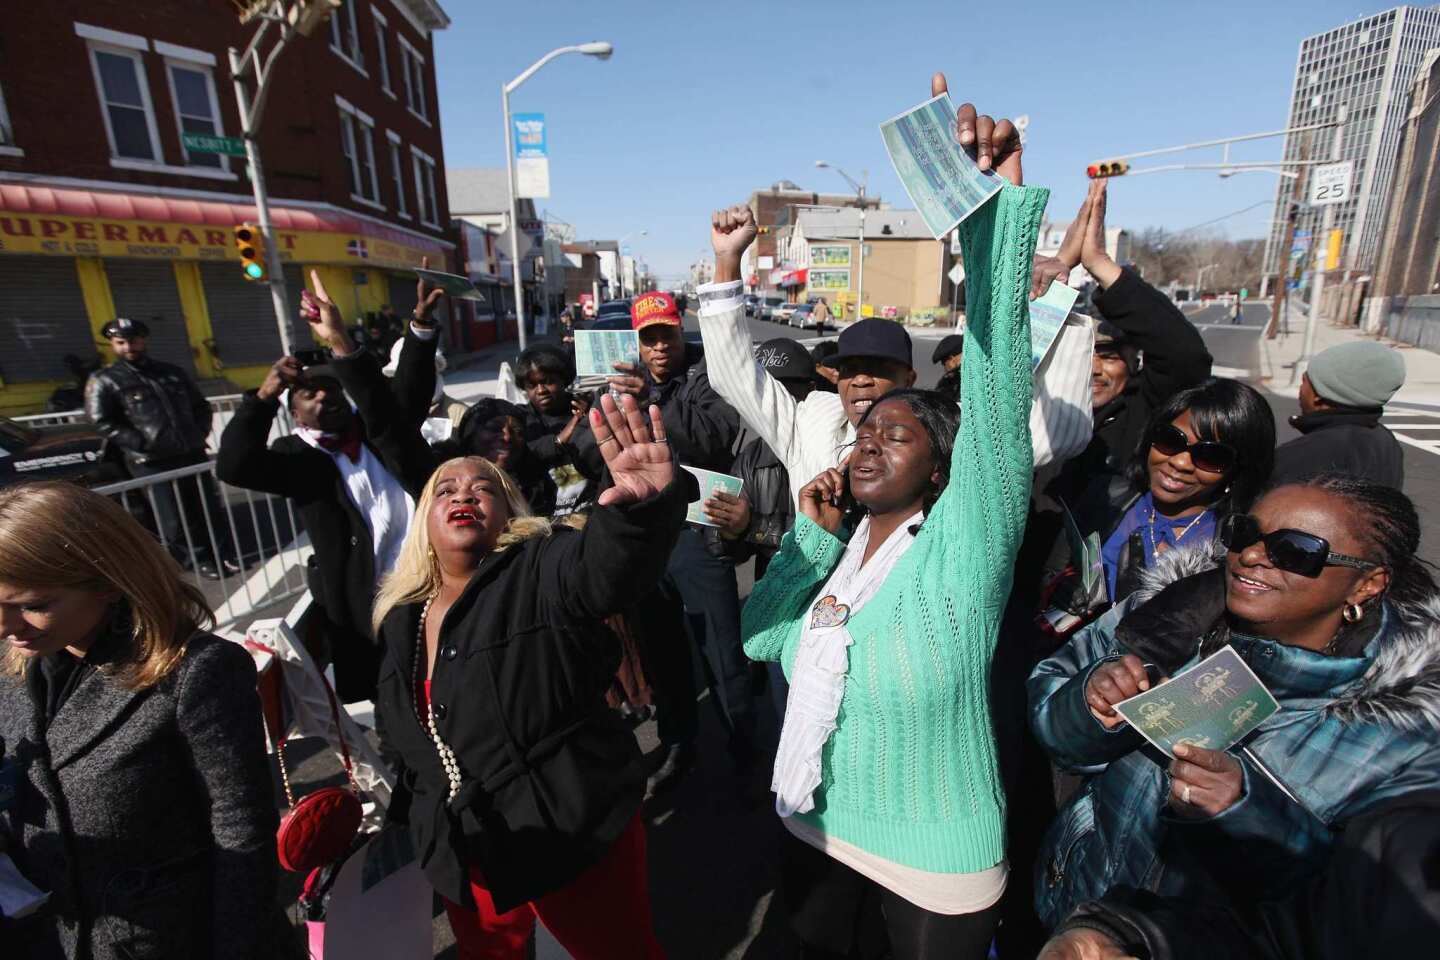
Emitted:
<point x="828" y="613"/>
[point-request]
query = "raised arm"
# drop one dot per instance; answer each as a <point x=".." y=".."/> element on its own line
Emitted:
<point x="245" y="460"/>
<point x="1175" y="354"/>
<point x="763" y="404"/>
<point x="395" y="435"/>
<point x="983" y="509"/>
<point x="414" y="382"/>
<point x="635" y="525"/>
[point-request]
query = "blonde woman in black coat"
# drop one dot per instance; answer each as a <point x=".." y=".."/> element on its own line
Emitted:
<point x="145" y="805"/>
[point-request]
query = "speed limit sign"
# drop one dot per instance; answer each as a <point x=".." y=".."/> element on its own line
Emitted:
<point x="1331" y="183"/>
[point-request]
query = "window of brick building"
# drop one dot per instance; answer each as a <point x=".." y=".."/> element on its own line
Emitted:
<point x="125" y="102"/>
<point x="197" y="109"/>
<point x="425" y="199"/>
<point x="357" y="143"/>
<point x="382" y="27"/>
<point x="397" y="172"/>
<point x="412" y="64"/>
<point x="345" y="35"/>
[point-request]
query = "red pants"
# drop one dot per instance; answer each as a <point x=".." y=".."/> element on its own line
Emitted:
<point x="603" y="914"/>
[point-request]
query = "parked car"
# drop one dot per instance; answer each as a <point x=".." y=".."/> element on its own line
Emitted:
<point x="609" y="310"/>
<point x="782" y="313"/>
<point x="612" y="322"/>
<point x="73" y="452"/>
<point x="767" y="306"/>
<point x="802" y="316"/>
<point x="752" y="303"/>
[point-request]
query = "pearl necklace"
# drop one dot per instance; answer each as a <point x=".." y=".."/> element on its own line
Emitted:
<point x="447" y="756"/>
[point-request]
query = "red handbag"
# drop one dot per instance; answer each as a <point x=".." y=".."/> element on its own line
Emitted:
<point x="322" y="826"/>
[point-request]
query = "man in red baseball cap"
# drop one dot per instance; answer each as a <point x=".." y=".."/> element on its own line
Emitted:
<point x="702" y="428"/>
<point x="662" y="344"/>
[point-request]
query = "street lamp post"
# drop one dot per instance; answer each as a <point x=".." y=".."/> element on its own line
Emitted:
<point x="859" y="188"/>
<point x="620" y="257"/>
<point x="596" y="48"/>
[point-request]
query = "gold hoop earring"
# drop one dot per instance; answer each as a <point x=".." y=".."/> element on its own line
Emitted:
<point x="1353" y="613"/>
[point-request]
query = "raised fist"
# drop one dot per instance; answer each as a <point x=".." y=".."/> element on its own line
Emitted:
<point x="731" y="231"/>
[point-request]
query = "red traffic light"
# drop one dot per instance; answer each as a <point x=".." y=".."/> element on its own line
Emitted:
<point x="1107" y="168"/>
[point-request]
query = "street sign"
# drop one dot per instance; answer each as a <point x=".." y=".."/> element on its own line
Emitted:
<point x="208" y="143"/>
<point x="1331" y="183"/>
<point x="532" y="156"/>
<point x="1332" y="249"/>
<point x="957" y="273"/>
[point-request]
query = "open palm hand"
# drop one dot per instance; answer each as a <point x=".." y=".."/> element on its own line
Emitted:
<point x="635" y="451"/>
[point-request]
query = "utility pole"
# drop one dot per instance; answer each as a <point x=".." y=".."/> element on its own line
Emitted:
<point x="1282" y="282"/>
<point x="1322" y="248"/>
<point x="250" y="70"/>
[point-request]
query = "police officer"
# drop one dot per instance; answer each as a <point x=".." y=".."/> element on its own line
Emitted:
<point x="156" y="415"/>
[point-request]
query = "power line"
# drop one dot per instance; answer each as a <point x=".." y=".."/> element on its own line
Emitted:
<point x="1262" y="203"/>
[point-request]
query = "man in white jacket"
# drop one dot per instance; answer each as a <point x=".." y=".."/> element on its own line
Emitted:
<point x="813" y="434"/>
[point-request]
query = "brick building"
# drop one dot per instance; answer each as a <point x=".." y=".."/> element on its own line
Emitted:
<point x="104" y="211"/>
<point x="776" y="208"/>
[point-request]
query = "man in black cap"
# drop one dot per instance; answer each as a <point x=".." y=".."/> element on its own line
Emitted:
<point x="156" y="415"/>
<point x="948" y="354"/>
<point x="875" y="356"/>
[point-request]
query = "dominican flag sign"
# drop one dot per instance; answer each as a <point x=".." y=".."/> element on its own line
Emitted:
<point x="356" y="248"/>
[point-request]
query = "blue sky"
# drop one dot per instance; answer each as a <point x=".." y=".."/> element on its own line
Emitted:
<point x="703" y="103"/>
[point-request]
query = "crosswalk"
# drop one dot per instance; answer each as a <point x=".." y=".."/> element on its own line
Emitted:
<point x="1414" y="427"/>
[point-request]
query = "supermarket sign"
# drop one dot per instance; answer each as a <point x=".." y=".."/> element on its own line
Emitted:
<point x="22" y="233"/>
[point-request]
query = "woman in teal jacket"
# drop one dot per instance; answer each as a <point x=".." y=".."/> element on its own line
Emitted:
<point x="1322" y="595"/>
<point x="886" y="773"/>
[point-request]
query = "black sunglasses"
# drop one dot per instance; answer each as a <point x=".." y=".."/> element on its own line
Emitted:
<point x="1208" y="455"/>
<point x="1293" y="551"/>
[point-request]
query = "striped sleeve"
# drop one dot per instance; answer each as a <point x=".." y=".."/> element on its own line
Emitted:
<point x="1060" y="417"/>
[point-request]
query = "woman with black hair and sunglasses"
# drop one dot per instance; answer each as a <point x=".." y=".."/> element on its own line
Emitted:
<point x="1206" y="452"/>
<point x="1321" y="593"/>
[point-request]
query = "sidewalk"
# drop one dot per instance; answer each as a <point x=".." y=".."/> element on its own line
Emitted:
<point x="475" y="375"/>
<point x="1279" y="356"/>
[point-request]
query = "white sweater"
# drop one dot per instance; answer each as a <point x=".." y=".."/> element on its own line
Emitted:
<point x="811" y="435"/>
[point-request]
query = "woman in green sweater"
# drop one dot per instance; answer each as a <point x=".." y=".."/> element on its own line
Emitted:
<point x="886" y="775"/>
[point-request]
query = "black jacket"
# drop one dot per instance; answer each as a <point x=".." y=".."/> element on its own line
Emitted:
<point x="1347" y="441"/>
<point x="772" y="509"/>
<point x="342" y="578"/>
<point x="148" y="815"/>
<point x="152" y="410"/>
<point x="551" y="777"/>
<point x="1093" y="484"/>
<point x="700" y="426"/>
<point x="1379" y="897"/>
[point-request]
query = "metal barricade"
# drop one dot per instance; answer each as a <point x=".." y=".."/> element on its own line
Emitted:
<point x="223" y="407"/>
<point x="210" y="520"/>
<point x="61" y="419"/>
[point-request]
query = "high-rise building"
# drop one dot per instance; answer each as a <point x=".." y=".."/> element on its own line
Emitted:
<point x="1366" y="66"/>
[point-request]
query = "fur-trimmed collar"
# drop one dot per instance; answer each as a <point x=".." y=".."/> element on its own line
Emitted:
<point x="1400" y="689"/>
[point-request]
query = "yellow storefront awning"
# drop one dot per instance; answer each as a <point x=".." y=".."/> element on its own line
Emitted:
<point x="90" y="223"/>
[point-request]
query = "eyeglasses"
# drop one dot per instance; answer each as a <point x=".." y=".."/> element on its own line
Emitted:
<point x="1293" y="551"/>
<point x="1208" y="455"/>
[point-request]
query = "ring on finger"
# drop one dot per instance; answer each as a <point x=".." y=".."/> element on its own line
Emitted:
<point x="1185" y="794"/>
<point x="607" y="440"/>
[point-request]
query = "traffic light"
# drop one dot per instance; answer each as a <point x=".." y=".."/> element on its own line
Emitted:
<point x="1108" y="168"/>
<point x="250" y="242"/>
